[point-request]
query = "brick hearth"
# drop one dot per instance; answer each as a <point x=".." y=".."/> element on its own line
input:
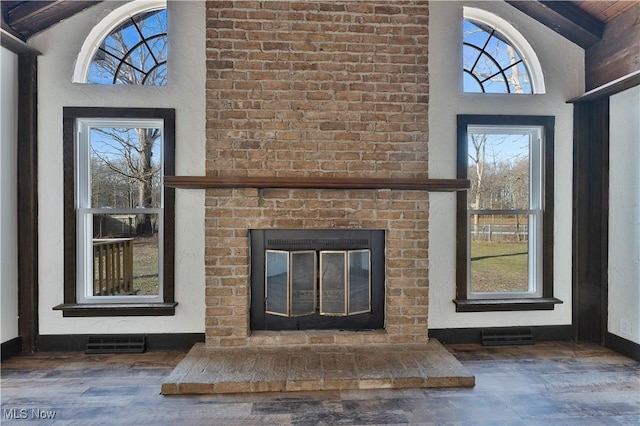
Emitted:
<point x="321" y="367"/>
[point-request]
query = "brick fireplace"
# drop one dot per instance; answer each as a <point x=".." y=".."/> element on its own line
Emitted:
<point x="335" y="91"/>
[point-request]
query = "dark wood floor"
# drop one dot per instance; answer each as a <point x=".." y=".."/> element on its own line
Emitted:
<point x="549" y="384"/>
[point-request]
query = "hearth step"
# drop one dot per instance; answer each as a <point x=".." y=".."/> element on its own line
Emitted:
<point x="321" y="367"/>
<point x="115" y="344"/>
<point x="507" y="336"/>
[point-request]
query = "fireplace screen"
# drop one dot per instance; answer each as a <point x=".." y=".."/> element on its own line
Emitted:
<point x="317" y="279"/>
<point x="291" y="280"/>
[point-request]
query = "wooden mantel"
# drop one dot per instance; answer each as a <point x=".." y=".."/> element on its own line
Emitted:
<point x="203" y="182"/>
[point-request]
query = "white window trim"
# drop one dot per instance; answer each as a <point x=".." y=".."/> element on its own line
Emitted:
<point x="517" y="40"/>
<point x="535" y="212"/>
<point x="103" y="29"/>
<point x="85" y="212"/>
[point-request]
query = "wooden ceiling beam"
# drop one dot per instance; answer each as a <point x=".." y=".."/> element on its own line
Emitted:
<point x="29" y="10"/>
<point x="564" y="18"/>
<point x="31" y="17"/>
<point x="15" y="43"/>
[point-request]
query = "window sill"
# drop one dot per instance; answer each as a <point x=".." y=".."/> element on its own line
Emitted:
<point x="488" y="305"/>
<point x="116" y="309"/>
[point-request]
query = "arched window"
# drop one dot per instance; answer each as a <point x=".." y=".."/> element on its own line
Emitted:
<point x="496" y="57"/>
<point x="128" y="47"/>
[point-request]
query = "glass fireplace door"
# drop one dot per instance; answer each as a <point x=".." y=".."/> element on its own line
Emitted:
<point x="317" y="279"/>
<point x="291" y="282"/>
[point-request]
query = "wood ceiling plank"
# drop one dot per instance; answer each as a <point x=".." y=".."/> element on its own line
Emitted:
<point x="26" y="11"/>
<point x="615" y="10"/>
<point x="596" y="7"/>
<point x="565" y="18"/>
<point x="29" y="18"/>
<point x="605" y="11"/>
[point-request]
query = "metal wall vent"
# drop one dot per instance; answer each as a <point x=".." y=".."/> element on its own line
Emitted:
<point x="317" y="241"/>
<point x="507" y="336"/>
<point x="115" y="344"/>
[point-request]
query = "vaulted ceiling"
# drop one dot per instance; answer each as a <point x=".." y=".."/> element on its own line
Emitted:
<point x="583" y="22"/>
<point x="580" y="21"/>
<point x="607" y="30"/>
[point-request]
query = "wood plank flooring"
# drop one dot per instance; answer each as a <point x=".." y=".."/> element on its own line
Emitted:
<point x="554" y="383"/>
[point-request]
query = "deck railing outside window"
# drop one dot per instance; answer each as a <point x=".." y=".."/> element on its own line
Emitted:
<point x="113" y="266"/>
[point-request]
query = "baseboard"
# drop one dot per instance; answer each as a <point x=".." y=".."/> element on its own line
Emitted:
<point x="474" y="335"/>
<point x="11" y="348"/>
<point x="622" y="346"/>
<point x="155" y="342"/>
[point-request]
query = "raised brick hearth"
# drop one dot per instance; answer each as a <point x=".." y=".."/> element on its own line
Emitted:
<point x="314" y="368"/>
<point x="313" y="89"/>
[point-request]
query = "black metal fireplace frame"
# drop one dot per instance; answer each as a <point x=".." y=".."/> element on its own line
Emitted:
<point x="316" y="239"/>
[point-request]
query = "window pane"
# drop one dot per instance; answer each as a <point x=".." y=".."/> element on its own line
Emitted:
<point x="470" y="84"/>
<point x="303" y="283"/>
<point x="157" y="74"/>
<point x="499" y="170"/>
<point x="484" y="70"/>
<point x="125" y="167"/>
<point x="359" y="282"/>
<point x="470" y="55"/>
<point x="125" y="255"/>
<point x="518" y="79"/>
<point x="99" y="74"/>
<point x="499" y="253"/>
<point x="333" y="283"/>
<point x="128" y="75"/>
<point x="277" y="277"/>
<point x="502" y="52"/>
<point x="146" y="61"/>
<point x="152" y="23"/>
<point x="489" y="56"/>
<point x="116" y="47"/>
<point x="132" y="51"/>
<point x="495" y="84"/>
<point x="473" y="34"/>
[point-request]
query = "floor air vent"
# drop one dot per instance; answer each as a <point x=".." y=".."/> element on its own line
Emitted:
<point x="115" y="344"/>
<point x="507" y="336"/>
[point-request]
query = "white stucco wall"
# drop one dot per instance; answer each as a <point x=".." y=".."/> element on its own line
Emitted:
<point x="624" y="215"/>
<point x="186" y="93"/>
<point x="563" y="66"/>
<point x="9" y="196"/>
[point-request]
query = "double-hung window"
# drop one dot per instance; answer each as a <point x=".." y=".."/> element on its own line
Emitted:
<point x="505" y="220"/>
<point x="118" y="215"/>
<point x="119" y="226"/>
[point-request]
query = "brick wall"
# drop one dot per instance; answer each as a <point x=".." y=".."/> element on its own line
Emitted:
<point x="332" y="89"/>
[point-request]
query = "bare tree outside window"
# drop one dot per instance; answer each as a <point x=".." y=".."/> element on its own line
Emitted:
<point x="125" y="194"/>
<point x="123" y="163"/>
<point x="499" y="204"/>
<point x="133" y="53"/>
<point x="490" y="63"/>
<point x="121" y="199"/>
<point x="477" y="158"/>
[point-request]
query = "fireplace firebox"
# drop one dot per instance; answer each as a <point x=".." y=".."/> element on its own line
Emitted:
<point x="319" y="279"/>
